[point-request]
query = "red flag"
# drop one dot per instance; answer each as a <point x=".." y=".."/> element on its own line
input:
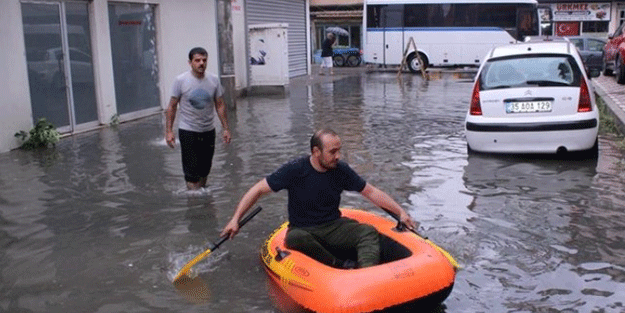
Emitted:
<point x="567" y="28"/>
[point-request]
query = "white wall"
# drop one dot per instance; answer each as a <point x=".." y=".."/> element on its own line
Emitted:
<point x="15" y="100"/>
<point x="181" y="25"/>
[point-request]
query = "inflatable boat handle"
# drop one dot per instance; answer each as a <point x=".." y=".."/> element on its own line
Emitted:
<point x="402" y="227"/>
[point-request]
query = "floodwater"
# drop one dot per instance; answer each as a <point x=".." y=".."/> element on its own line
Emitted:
<point x="102" y="222"/>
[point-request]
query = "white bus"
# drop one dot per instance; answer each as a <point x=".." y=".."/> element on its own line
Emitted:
<point x="445" y="32"/>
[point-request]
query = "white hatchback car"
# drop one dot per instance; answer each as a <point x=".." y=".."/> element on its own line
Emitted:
<point x="533" y="97"/>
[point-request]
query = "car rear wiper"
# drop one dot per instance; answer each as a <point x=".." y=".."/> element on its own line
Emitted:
<point x="546" y="83"/>
<point x="499" y="87"/>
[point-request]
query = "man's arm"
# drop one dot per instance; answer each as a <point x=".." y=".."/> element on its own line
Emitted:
<point x="220" y="107"/>
<point x="170" y="115"/>
<point x="383" y="200"/>
<point x="251" y="196"/>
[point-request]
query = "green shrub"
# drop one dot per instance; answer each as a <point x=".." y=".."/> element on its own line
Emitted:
<point x="607" y="123"/>
<point x="43" y="135"/>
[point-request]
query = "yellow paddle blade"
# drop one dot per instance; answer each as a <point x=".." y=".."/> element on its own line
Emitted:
<point x="451" y="259"/>
<point x="185" y="269"/>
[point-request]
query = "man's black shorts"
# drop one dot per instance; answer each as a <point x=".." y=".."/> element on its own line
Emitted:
<point x="197" y="153"/>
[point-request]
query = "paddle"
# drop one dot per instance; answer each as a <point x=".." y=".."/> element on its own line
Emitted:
<point x="185" y="269"/>
<point x="401" y="226"/>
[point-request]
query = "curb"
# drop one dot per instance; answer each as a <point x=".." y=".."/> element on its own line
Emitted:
<point x="612" y="104"/>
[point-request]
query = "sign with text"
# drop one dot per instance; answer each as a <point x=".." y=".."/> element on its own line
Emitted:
<point x="581" y="11"/>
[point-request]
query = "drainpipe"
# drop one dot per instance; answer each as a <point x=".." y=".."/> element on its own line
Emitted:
<point x="226" y="52"/>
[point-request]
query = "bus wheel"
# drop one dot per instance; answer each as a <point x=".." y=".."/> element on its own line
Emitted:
<point x="339" y="60"/>
<point x="353" y="60"/>
<point x="413" y="62"/>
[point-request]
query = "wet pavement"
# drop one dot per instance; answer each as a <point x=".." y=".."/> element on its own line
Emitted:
<point x="102" y="222"/>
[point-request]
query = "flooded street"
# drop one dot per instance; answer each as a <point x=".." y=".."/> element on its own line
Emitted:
<point x="102" y="222"/>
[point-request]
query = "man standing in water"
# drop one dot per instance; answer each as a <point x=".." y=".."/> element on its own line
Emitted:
<point x="327" y="54"/>
<point x="314" y="185"/>
<point x="199" y="94"/>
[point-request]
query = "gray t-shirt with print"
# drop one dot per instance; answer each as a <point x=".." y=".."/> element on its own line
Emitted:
<point x="197" y="100"/>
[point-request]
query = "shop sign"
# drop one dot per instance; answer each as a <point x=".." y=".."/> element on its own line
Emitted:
<point x="581" y="11"/>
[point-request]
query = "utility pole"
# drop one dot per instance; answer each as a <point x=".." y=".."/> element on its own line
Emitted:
<point x="226" y="52"/>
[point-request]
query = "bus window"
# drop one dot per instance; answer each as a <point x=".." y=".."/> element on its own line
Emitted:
<point x="415" y="15"/>
<point x="466" y="15"/>
<point x="374" y="16"/>
<point x="381" y="16"/>
<point x="393" y="15"/>
<point x="498" y="15"/>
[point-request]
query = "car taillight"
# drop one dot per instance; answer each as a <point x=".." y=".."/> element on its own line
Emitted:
<point x="476" y="108"/>
<point x="585" y="105"/>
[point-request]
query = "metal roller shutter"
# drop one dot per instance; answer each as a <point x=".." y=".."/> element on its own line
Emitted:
<point x="292" y="12"/>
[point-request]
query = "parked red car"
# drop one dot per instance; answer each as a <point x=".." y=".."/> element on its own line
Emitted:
<point x="614" y="55"/>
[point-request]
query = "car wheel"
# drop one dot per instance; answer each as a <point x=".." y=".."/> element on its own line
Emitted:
<point x="339" y="60"/>
<point x="606" y="71"/>
<point x="413" y="62"/>
<point x="353" y="60"/>
<point x="619" y="71"/>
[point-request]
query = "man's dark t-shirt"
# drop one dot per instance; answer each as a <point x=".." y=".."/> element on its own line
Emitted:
<point x="314" y="197"/>
<point x="326" y="48"/>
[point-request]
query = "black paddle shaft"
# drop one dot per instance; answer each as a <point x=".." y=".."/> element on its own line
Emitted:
<point x="400" y="226"/>
<point x="241" y="223"/>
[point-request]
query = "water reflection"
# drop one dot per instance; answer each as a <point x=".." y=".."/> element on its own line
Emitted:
<point x="538" y="235"/>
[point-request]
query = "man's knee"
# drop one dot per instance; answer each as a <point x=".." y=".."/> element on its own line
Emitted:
<point x="368" y="232"/>
<point x="296" y="238"/>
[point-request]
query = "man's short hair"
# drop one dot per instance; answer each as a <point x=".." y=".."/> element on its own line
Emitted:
<point x="315" y="140"/>
<point x="197" y="50"/>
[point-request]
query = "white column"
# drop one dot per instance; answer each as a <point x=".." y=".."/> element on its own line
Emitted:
<point x="102" y="61"/>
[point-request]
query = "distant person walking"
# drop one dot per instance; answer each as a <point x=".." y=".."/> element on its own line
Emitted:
<point x="326" y="54"/>
<point x="200" y="95"/>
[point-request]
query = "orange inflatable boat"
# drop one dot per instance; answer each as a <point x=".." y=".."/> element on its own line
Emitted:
<point x="413" y="273"/>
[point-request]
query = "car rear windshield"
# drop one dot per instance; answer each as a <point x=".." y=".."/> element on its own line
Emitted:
<point x="540" y="70"/>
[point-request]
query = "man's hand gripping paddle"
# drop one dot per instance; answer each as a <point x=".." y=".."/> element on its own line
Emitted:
<point x="185" y="269"/>
<point x="401" y="226"/>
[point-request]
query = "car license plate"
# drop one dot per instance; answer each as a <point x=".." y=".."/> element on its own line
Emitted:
<point x="528" y="106"/>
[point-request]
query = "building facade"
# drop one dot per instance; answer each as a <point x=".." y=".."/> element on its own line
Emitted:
<point x="575" y="18"/>
<point x="346" y="14"/>
<point x="81" y="64"/>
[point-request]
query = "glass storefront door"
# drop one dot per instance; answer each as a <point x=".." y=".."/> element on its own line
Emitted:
<point x="135" y="67"/>
<point x="60" y="67"/>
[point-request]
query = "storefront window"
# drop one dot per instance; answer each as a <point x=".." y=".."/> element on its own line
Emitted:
<point x="546" y="29"/>
<point x="595" y="27"/>
<point x="135" y="67"/>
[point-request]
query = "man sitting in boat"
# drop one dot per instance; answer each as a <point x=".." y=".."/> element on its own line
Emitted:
<point x="314" y="185"/>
